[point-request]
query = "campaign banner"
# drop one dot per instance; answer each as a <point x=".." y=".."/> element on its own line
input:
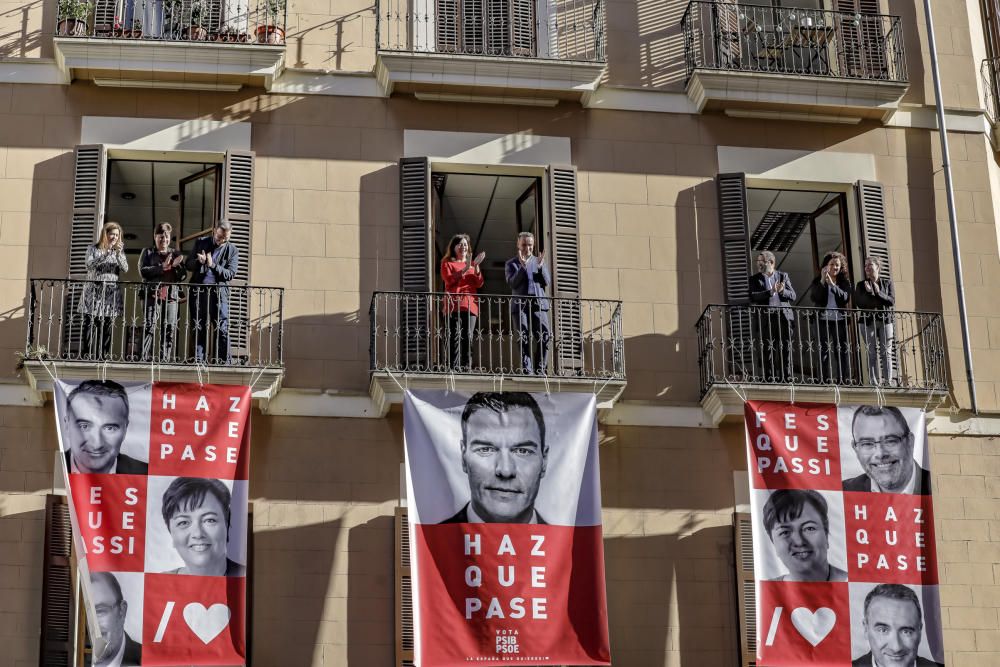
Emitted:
<point x="157" y="485"/>
<point x="845" y="561"/>
<point x="506" y="549"/>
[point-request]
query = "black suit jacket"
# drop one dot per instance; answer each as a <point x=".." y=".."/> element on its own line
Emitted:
<point x="761" y="296"/>
<point x="462" y="516"/>
<point x="126" y="465"/>
<point x="862" y="483"/>
<point x="133" y="653"/>
<point x="866" y="661"/>
<point x="224" y="269"/>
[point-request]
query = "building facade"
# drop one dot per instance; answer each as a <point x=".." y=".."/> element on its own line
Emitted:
<point x="653" y="149"/>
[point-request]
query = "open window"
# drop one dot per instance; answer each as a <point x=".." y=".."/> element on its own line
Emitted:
<point x="492" y="208"/>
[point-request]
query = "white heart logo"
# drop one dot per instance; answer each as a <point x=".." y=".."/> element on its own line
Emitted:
<point x="814" y="626"/>
<point x="208" y="623"/>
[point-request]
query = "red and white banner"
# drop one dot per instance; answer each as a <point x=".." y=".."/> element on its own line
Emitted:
<point x="505" y="529"/>
<point x="843" y="534"/>
<point x="157" y="480"/>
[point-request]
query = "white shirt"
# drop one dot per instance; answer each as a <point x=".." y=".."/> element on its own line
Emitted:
<point x="74" y="468"/>
<point x="475" y="518"/>
<point x="908" y="489"/>
<point x="117" y="660"/>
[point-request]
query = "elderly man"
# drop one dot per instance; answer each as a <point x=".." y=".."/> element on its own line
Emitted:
<point x="892" y="623"/>
<point x="773" y="326"/>
<point x="883" y="444"/>
<point x="504" y="455"/>
<point x="213" y="263"/>
<point x="111" y="608"/>
<point x="95" y="425"/>
<point x="527" y="277"/>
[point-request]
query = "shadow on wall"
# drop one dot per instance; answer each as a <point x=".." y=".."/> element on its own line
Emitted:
<point x="371" y="593"/>
<point x="645" y="44"/>
<point x="29" y="29"/>
<point x="291" y="589"/>
<point x="672" y="598"/>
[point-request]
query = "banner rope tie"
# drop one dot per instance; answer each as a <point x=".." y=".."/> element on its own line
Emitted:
<point x="389" y="373"/>
<point x="598" y="391"/>
<point x="736" y="388"/>
<point x="791" y="387"/>
<point x="879" y="396"/>
<point x="836" y="394"/>
<point x="53" y="375"/>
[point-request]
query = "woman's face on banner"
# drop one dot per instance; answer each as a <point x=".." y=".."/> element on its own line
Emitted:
<point x="801" y="543"/>
<point x="200" y="535"/>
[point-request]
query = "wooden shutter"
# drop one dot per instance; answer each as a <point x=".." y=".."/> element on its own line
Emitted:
<point x="874" y="228"/>
<point x="89" y="179"/>
<point x="734" y="231"/>
<point x="415" y="262"/>
<point x="728" y="34"/>
<point x="745" y="588"/>
<point x="863" y="40"/>
<point x="105" y="12"/>
<point x="237" y="208"/>
<point x="522" y="28"/>
<point x="404" y="592"/>
<point x="566" y="269"/>
<point x="58" y="586"/>
<point x="498" y="27"/>
<point x="474" y="22"/>
<point x="447" y="26"/>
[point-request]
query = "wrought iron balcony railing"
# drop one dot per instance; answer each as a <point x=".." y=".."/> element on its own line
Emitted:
<point x="566" y="30"/>
<point x="154" y="323"/>
<point x="867" y="349"/>
<point x="725" y="35"/>
<point x="421" y="332"/>
<point x="234" y="21"/>
<point x="991" y="87"/>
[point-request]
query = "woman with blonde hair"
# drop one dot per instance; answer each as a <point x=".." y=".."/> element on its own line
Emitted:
<point x="462" y="278"/>
<point x="831" y="290"/>
<point x="101" y="300"/>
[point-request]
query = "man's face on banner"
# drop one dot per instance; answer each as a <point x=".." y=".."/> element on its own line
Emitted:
<point x="892" y="628"/>
<point x="96" y="427"/>
<point x="200" y="535"/>
<point x="110" y="613"/>
<point x="801" y="543"/>
<point x="504" y="460"/>
<point x="884" y="450"/>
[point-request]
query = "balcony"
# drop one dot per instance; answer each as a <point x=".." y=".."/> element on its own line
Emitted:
<point x="868" y="357"/>
<point x="534" y="52"/>
<point x="991" y="97"/>
<point x="181" y="44"/>
<point x="411" y="341"/>
<point x="784" y="62"/>
<point x="150" y="331"/>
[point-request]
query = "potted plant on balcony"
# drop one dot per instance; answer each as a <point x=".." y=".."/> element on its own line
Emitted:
<point x="198" y="15"/>
<point x="73" y="17"/>
<point x="136" y="31"/>
<point x="269" y="32"/>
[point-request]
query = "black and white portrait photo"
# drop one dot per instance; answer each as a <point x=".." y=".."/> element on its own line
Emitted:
<point x="801" y="536"/>
<point x="196" y="526"/>
<point x="117" y="601"/>
<point x="104" y="427"/>
<point x="894" y="625"/>
<point x="883" y="449"/>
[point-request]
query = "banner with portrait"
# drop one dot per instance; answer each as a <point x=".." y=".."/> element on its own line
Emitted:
<point x="156" y="477"/>
<point x="506" y="549"/>
<point x="845" y="561"/>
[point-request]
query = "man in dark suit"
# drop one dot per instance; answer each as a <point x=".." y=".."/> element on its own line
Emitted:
<point x="96" y="422"/>
<point x="528" y="277"/>
<point x="504" y="455"/>
<point x="111" y="608"/>
<point x="213" y="262"/>
<point x="772" y="326"/>
<point x="883" y="443"/>
<point x="892" y="624"/>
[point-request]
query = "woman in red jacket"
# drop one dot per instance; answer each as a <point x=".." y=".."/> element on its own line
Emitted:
<point x="463" y="278"/>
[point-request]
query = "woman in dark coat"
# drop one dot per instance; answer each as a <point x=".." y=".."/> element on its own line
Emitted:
<point x="831" y="291"/>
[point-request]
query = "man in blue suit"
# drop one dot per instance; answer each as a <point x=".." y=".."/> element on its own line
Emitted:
<point x="213" y="263"/>
<point x="528" y="277"/>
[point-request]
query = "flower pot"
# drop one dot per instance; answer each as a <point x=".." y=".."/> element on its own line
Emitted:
<point x="133" y="34"/>
<point x="270" y="34"/>
<point x="197" y="33"/>
<point x="72" y="28"/>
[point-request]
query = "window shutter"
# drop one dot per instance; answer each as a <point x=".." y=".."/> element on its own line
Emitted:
<point x="863" y="50"/>
<point x="746" y="588"/>
<point x="523" y="27"/>
<point x="566" y="269"/>
<point x="729" y="35"/>
<point x="874" y="228"/>
<point x="58" y="586"/>
<point x="734" y="230"/>
<point x="237" y="207"/>
<point x="104" y="17"/>
<point x="474" y="22"/>
<point x="89" y="178"/>
<point x="404" y="592"/>
<point x="498" y="27"/>
<point x="447" y="26"/>
<point x="415" y="263"/>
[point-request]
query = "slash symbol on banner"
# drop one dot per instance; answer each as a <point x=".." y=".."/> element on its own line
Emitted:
<point x="814" y="626"/>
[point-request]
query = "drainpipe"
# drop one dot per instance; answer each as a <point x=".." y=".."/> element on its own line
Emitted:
<point x="952" y="216"/>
